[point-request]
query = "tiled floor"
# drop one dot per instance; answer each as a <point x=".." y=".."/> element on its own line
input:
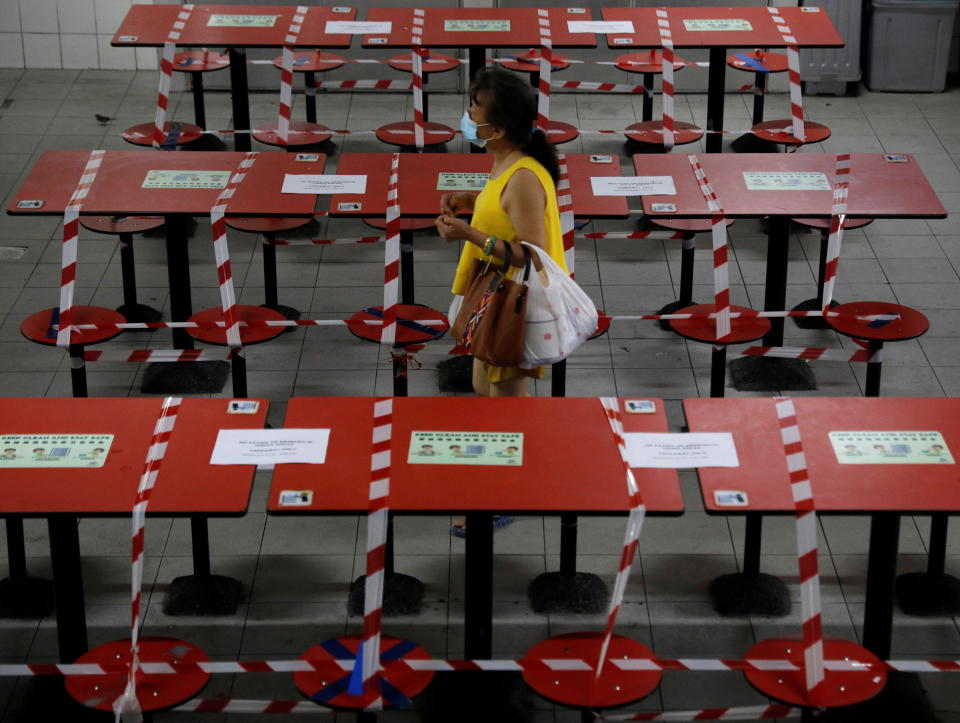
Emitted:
<point x="297" y="571"/>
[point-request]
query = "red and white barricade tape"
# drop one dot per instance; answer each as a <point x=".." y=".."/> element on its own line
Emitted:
<point x="567" y="220"/>
<point x="286" y="74"/>
<point x="815" y="354"/>
<point x="793" y="72"/>
<point x="721" y="274"/>
<point x="416" y="58"/>
<point x="666" y="40"/>
<point x="810" y="602"/>
<point x="157" y="355"/>
<point x="166" y="72"/>
<point x="221" y="250"/>
<point x="391" y="255"/>
<point x="68" y="254"/>
<point x="611" y="406"/>
<point x="240" y="705"/>
<point x="838" y="217"/>
<point x="546" y="67"/>
<point x="366" y="84"/>
<point x="127" y="707"/>
<point x="751" y="712"/>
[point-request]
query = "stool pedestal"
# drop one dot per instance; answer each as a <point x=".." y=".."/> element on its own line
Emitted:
<point x="196" y="63"/>
<point x="761" y="64"/>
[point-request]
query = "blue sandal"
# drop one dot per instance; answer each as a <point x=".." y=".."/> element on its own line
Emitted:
<point x="459" y="529"/>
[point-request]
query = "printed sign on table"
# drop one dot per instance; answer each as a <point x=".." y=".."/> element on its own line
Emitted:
<point x="323" y="184"/>
<point x="788" y="181"/>
<point x="482" y="448"/>
<point x="54" y="450"/>
<point x="865" y="447"/>
<point x="677" y="451"/>
<point x="461" y="181"/>
<point x="356" y="27"/>
<point x="476" y="26"/>
<point x="186" y="179"/>
<point x="270" y="446"/>
<point x="600" y="26"/>
<point x="716" y="24"/>
<point x="241" y="21"/>
<point x="632" y="185"/>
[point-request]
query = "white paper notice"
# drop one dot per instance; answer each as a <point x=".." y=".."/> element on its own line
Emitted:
<point x="323" y="184"/>
<point x="356" y="27"/>
<point x="270" y="446"/>
<point x="633" y="185"/>
<point x="600" y="26"/>
<point x="714" y="449"/>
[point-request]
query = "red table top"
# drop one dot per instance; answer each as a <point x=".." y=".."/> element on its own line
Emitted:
<point x="418" y="182"/>
<point x="878" y="188"/>
<point x="149" y="25"/>
<point x="570" y="460"/>
<point x="907" y="488"/>
<point x="117" y="189"/>
<point x="187" y="483"/>
<point x="524" y="28"/>
<point x="811" y="27"/>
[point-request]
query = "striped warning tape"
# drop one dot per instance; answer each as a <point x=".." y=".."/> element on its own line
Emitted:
<point x="127" y="703"/>
<point x="793" y="73"/>
<point x="810" y="601"/>
<point x="838" y="217"/>
<point x="286" y="74"/>
<point x="666" y="40"/>
<point x="157" y="355"/>
<point x="546" y="67"/>
<point x="68" y="254"/>
<point x="417" y="55"/>
<point x="753" y="712"/>
<point x="567" y="220"/>
<point x="391" y="255"/>
<point x="721" y="274"/>
<point x="815" y="354"/>
<point x="166" y="72"/>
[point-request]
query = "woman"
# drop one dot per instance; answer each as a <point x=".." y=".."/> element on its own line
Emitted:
<point x="518" y="203"/>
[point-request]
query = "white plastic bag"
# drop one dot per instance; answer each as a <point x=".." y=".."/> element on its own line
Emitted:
<point x="560" y="316"/>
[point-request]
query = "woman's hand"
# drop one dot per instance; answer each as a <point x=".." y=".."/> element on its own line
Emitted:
<point x="452" y="228"/>
<point x="453" y="203"/>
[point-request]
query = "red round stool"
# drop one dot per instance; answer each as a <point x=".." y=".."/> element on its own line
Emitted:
<point x="300" y="134"/>
<point x="823" y="225"/>
<point x="838" y="688"/>
<point x="329" y="683"/>
<point x="743" y="329"/>
<point x="416" y="325"/>
<point x="580" y="688"/>
<point x="761" y="63"/>
<point x="650" y="133"/>
<point x="176" y="134"/>
<point x="41" y="328"/>
<point x="196" y="63"/>
<point x="155" y="691"/>
<point x="650" y="64"/>
<point x="125" y="227"/>
<point x="269" y="227"/>
<point x="407" y="228"/>
<point x="910" y="325"/>
<point x="401" y="133"/>
<point x="529" y="62"/>
<point x="779" y="131"/>
<point x="311" y="62"/>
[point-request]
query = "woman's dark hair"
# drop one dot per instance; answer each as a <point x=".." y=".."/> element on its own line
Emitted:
<point x="512" y="105"/>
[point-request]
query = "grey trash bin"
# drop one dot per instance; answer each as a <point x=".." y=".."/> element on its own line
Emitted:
<point x="910" y="44"/>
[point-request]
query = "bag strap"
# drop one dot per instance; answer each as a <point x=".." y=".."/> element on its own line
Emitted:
<point x="527" y="262"/>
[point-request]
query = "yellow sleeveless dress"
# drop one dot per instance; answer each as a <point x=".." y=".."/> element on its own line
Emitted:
<point x="490" y="218"/>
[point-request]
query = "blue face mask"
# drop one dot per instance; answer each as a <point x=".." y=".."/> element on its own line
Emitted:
<point x="469" y="129"/>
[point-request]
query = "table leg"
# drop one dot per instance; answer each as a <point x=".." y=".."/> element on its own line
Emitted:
<point x="815" y="304"/>
<point x="775" y="284"/>
<point x="310" y="95"/>
<point x="687" y="258"/>
<point x="21" y="595"/>
<point x="202" y="593"/>
<point x="872" y="387"/>
<point x="199" y="112"/>
<point x="647" y="97"/>
<point x="131" y="309"/>
<point x="68" y="587"/>
<point x="238" y="94"/>
<point x="400" y="370"/>
<point x="478" y="588"/>
<point x="78" y="371"/>
<point x="881" y="571"/>
<point x="715" y="98"/>
<point x="750" y="591"/>
<point x="933" y="592"/>
<point x="178" y="278"/>
<point x="406" y="267"/>
<point x="558" y="379"/>
<point x="402" y="594"/>
<point x="718" y="370"/>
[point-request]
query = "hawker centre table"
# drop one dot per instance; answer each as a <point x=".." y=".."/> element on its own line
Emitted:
<point x="717" y="29"/>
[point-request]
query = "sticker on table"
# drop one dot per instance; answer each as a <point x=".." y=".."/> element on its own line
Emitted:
<point x="896" y="158"/>
<point x="480" y="448"/>
<point x="866" y="447"/>
<point x="128" y="38"/>
<point x="243" y="406"/>
<point x="632" y="185"/>
<point x="30" y="203"/>
<point x="270" y="446"/>
<point x="476" y="26"/>
<point x="349" y="206"/>
<point x="716" y="24"/>
<point x="54" y="450"/>
<point x="357" y="27"/>
<point x="377" y="41"/>
<point x="576" y="11"/>
<point x="600" y="26"/>
<point x="320" y="184"/>
<point x="663" y="208"/>
<point x="809" y="10"/>
<point x="341" y="9"/>
<point x="461" y="181"/>
<point x="601" y="159"/>
<point x="786" y="181"/>
<point x="731" y="498"/>
<point x="307" y="157"/>
<point x="296" y="498"/>
<point x="241" y="21"/>
<point x="639" y="406"/>
<point x="622" y="41"/>
<point x="676" y="451"/>
<point x="186" y="179"/>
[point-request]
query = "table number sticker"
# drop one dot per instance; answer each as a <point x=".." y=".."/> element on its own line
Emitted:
<point x="461" y="181"/>
<point x="357" y="27"/>
<point x="663" y="208"/>
<point x="28" y="203"/>
<point x="241" y="21"/>
<point x="243" y="406"/>
<point x="716" y="24"/>
<point x="476" y="26"/>
<point x="474" y="448"/>
<point x="809" y="10"/>
<point x="296" y="498"/>
<point x="341" y="9"/>
<point x="54" y="450"/>
<point x="576" y="11"/>
<point x="791" y="181"/>
<point x="377" y="41"/>
<point x="622" y="41"/>
<point x="307" y="157"/>
<point x="866" y="447"/>
<point x="601" y="159"/>
<point x="731" y="498"/>
<point x="349" y="206"/>
<point x="186" y="179"/>
<point x="896" y="158"/>
<point x="128" y="38"/>
<point x="639" y="406"/>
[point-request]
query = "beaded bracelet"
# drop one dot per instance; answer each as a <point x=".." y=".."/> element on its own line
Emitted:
<point x="491" y="244"/>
